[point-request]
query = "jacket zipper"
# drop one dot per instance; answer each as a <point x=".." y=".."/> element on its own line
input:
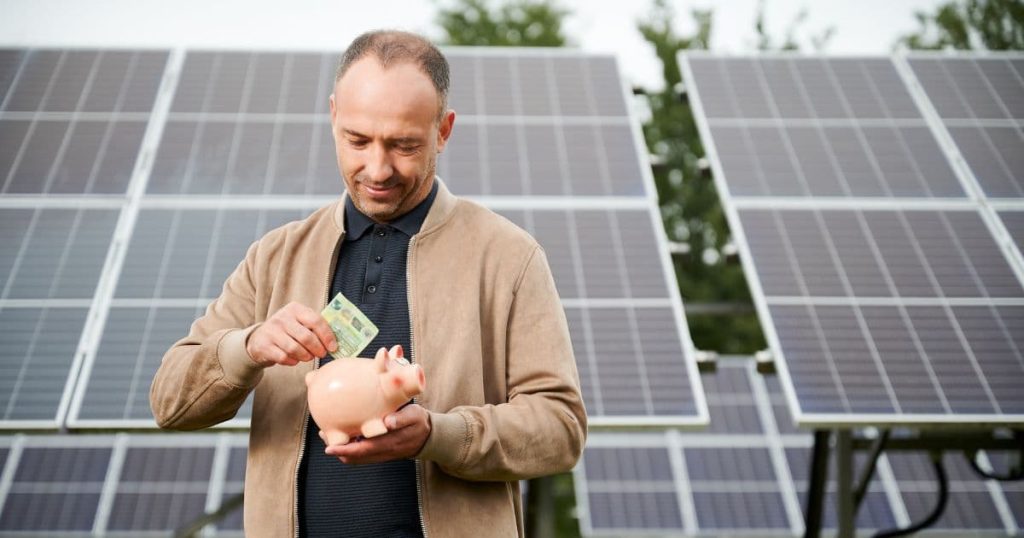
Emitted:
<point x="316" y="364"/>
<point x="412" y="357"/>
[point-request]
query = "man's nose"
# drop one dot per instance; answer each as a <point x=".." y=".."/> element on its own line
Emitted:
<point x="378" y="165"/>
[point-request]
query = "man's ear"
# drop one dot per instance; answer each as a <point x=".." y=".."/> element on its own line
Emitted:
<point x="445" y="129"/>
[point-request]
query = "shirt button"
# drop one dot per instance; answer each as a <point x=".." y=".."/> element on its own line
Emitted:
<point x="378" y="259"/>
<point x="380" y="233"/>
<point x="371" y="288"/>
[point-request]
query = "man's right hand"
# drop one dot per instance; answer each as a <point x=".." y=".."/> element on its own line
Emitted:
<point x="293" y="334"/>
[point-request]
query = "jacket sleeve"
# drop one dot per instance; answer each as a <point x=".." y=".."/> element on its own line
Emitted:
<point x="205" y="377"/>
<point x="542" y="428"/>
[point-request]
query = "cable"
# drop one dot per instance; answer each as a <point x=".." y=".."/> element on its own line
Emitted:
<point x="1010" y="476"/>
<point x="940" y="506"/>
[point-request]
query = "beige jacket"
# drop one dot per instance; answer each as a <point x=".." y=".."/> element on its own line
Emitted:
<point x="487" y="328"/>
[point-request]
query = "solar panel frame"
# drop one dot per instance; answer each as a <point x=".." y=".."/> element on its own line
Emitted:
<point x="711" y="465"/>
<point x="206" y="454"/>
<point x="733" y="204"/>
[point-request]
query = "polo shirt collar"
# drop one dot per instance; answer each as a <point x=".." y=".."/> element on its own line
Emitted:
<point x="357" y="224"/>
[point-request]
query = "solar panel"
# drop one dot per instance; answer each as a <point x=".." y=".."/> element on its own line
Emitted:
<point x="124" y="484"/>
<point x="887" y="295"/>
<point x="752" y="481"/>
<point x="187" y="157"/>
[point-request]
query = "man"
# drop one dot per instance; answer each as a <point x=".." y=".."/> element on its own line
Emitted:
<point x="468" y="295"/>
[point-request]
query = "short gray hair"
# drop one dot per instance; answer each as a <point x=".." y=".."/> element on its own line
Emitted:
<point x="392" y="46"/>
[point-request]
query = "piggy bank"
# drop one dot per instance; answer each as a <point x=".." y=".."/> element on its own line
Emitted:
<point x="351" y="396"/>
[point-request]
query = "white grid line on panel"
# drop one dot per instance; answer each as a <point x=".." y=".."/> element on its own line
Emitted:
<point x="22" y="249"/>
<point x="15" y="80"/>
<point x="43" y="115"/>
<point x="975" y="364"/>
<point x="517" y="107"/>
<point x="980" y="123"/>
<point x="892" y="492"/>
<point x="45" y="303"/>
<point x="684" y="495"/>
<point x="718" y="176"/>
<point x="275" y="137"/>
<point x="581" y="488"/>
<point x="304" y="202"/>
<point x="23" y="369"/>
<point x="139" y="425"/>
<point x="968" y="182"/>
<point x="995" y="95"/>
<point x="620" y="260"/>
<point x="988" y="207"/>
<point x="7" y="474"/>
<point x="631" y="486"/>
<point x="481" y="134"/>
<point x="16" y="163"/>
<point x="87" y="201"/>
<point x="780" y="122"/>
<point x="314" y="146"/>
<point x="66" y="140"/>
<point x="999" y="500"/>
<point x="88" y="346"/>
<point x="667" y="267"/>
<point x="577" y="257"/>
<point x="765" y="409"/>
<point x="242" y="118"/>
<point x="789" y="203"/>
<point x="110" y="483"/>
<point x="784" y="300"/>
<point x="218" y="476"/>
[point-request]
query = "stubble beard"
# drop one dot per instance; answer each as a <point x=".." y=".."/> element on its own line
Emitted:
<point x="388" y="212"/>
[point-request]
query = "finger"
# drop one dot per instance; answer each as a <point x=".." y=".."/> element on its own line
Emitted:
<point x="290" y="347"/>
<point x="316" y="323"/>
<point x="305" y="337"/>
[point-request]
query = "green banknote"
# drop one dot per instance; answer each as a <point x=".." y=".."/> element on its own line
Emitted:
<point x="351" y="327"/>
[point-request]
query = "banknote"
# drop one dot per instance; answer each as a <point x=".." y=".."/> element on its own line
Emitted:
<point x="351" y="327"/>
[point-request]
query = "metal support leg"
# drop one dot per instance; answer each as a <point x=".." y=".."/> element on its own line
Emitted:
<point x="844" y="495"/>
<point x="816" y="486"/>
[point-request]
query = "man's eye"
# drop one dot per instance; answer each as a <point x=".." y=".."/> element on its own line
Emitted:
<point x="357" y="143"/>
<point x="408" y="149"/>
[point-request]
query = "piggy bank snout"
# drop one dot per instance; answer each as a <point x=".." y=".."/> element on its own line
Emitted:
<point x="411" y="379"/>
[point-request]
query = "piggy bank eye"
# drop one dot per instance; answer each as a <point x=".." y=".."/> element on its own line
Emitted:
<point x="402" y="361"/>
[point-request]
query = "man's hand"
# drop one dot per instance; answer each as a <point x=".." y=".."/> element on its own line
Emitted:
<point x="408" y="430"/>
<point x="294" y="334"/>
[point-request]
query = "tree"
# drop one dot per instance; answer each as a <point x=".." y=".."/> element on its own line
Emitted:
<point x="519" y="23"/>
<point x="690" y="207"/>
<point x="970" y="24"/>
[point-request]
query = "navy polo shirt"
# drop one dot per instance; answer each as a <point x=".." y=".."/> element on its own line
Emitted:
<point x="373" y="500"/>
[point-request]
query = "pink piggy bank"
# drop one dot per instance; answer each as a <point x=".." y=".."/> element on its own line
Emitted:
<point x="351" y="396"/>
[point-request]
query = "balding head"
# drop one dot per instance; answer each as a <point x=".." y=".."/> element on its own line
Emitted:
<point x="390" y="47"/>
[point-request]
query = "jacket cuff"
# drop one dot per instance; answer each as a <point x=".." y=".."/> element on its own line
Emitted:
<point x="239" y="368"/>
<point x="448" y="441"/>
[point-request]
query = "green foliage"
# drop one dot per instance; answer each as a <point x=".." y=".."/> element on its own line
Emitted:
<point x="690" y="207"/>
<point x="970" y="24"/>
<point x="766" y="42"/>
<point x="519" y="23"/>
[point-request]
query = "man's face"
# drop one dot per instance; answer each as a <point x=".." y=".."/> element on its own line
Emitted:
<point x="387" y="136"/>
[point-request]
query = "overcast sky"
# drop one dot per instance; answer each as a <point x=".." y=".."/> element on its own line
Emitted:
<point x="862" y="26"/>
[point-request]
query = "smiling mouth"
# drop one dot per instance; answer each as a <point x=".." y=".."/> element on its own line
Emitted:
<point x="378" y="191"/>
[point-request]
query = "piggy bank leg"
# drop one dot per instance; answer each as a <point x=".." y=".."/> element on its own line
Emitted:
<point x="334" y="438"/>
<point x="373" y="428"/>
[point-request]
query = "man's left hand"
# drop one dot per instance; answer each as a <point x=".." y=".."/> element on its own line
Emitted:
<point x="408" y="430"/>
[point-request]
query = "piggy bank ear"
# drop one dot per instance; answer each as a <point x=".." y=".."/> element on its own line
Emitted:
<point x="381" y="359"/>
<point x="309" y="377"/>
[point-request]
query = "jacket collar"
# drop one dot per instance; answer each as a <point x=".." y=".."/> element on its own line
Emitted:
<point x="442" y="208"/>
